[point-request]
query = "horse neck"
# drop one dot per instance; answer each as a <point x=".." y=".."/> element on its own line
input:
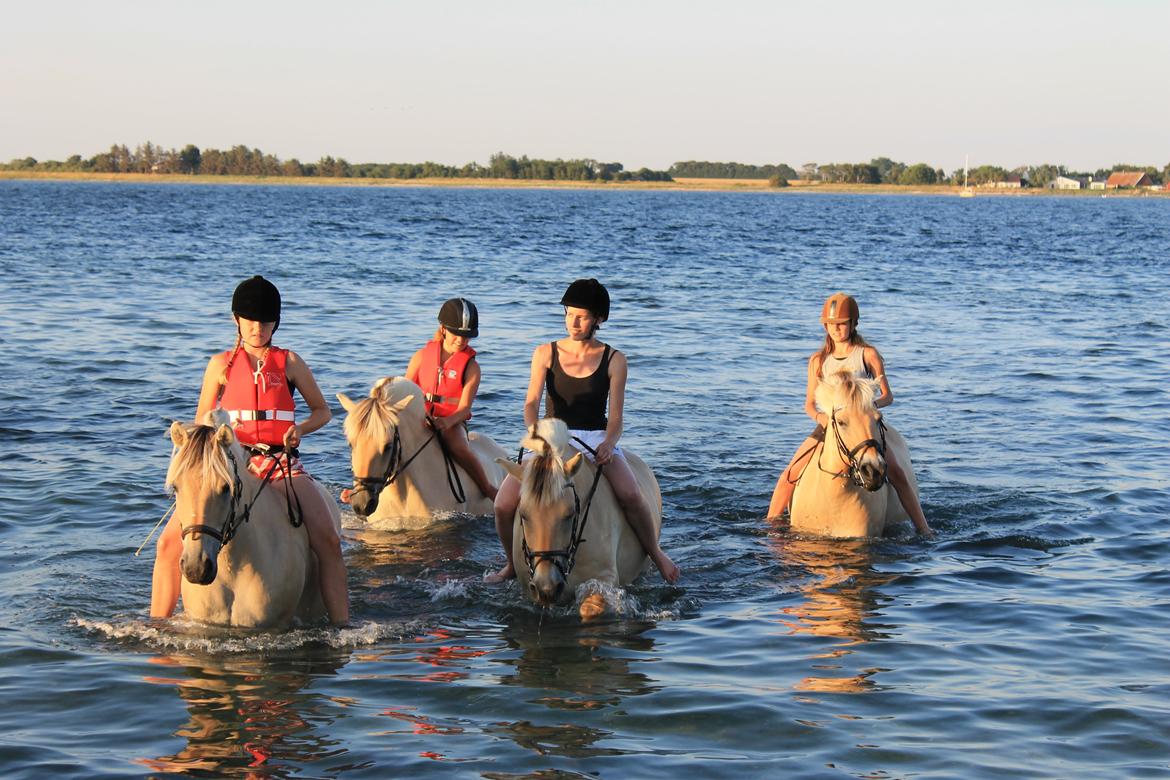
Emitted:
<point x="414" y="442"/>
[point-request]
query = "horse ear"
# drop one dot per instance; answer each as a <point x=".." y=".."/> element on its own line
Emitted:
<point x="178" y="434"/>
<point x="224" y="435"/>
<point x="405" y="402"/>
<point x="346" y="403"/>
<point x="574" y="463"/>
<point x="515" y="469"/>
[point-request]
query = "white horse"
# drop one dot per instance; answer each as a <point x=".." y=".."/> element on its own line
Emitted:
<point x="843" y="491"/>
<point x="244" y="563"/>
<point x="569" y="527"/>
<point x="399" y="465"/>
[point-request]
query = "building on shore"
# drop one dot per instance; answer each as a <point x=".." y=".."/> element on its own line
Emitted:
<point x="1125" y="180"/>
<point x="1067" y="183"/>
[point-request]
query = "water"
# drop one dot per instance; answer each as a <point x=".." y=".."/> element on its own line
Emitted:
<point x="1026" y="344"/>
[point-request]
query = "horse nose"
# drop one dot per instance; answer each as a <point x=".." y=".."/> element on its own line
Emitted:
<point x="546" y="593"/>
<point x="363" y="502"/>
<point x="873" y="476"/>
<point x="200" y="571"/>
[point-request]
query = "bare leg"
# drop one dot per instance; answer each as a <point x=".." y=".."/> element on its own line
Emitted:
<point x="786" y="483"/>
<point x="897" y="479"/>
<point x="326" y="543"/>
<point x="507" y="499"/>
<point x="625" y="488"/>
<point x="456" y="439"/>
<point x="167" y="579"/>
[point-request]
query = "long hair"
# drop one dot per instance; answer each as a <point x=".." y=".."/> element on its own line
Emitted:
<point x="855" y="339"/>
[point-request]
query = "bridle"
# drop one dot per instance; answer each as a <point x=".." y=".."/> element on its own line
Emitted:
<point x="852" y="470"/>
<point x="566" y="557"/>
<point x="237" y="516"/>
<point x="395" y="467"/>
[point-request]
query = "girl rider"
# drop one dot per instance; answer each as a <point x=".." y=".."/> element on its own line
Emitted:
<point x="844" y="350"/>
<point x="253" y="382"/>
<point x="449" y="375"/>
<point x="581" y="374"/>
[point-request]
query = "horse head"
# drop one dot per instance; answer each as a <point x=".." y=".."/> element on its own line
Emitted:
<point x="549" y="509"/>
<point x="855" y="438"/>
<point x="205" y="475"/>
<point x="372" y="429"/>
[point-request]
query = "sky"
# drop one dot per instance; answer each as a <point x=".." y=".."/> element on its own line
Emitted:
<point x="1025" y="82"/>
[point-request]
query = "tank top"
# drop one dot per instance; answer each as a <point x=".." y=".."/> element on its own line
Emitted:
<point x="579" y="401"/>
<point x="853" y="363"/>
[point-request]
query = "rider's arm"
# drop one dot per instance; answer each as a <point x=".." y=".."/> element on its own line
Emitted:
<point x="618" y="370"/>
<point x="877" y="368"/>
<point x="541" y="360"/>
<point x="302" y="379"/>
<point x="213" y="378"/>
<point x="814" y="377"/>
<point x="413" y="366"/>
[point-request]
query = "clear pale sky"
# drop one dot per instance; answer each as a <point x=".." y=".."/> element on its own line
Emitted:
<point x="642" y="83"/>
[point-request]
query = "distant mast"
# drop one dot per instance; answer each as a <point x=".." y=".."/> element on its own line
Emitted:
<point x="966" y="192"/>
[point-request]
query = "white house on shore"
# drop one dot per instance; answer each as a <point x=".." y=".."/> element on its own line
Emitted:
<point x="1066" y="183"/>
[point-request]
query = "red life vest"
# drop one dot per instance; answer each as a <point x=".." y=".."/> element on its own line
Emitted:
<point x="260" y="404"/>
<point x="442" y="388"/>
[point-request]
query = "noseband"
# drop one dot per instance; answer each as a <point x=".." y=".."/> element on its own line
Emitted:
<point x="853" y="468"/>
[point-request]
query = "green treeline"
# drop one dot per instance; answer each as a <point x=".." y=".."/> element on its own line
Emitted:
<point x="883" y="170"/>
<point x="694" y="169"/>
<point x="242" y="161"/>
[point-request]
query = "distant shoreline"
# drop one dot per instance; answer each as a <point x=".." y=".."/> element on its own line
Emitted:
<point x="678" y="185"/>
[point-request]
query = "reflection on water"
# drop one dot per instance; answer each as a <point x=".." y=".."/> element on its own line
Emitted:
<point x="840" y="600"/>
<point x="576" y="668"/>
<point x="248" y="716"/>
<point x="584" y="663"/>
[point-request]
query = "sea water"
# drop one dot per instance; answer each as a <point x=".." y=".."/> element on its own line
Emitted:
<point x="1026" y="343"/>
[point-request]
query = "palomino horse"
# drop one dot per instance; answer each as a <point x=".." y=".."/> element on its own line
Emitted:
<point x="843" y="491"/>
<point x="400" y="467"/>
<point x="569" y="527"/>
<point x="244" y="563"/>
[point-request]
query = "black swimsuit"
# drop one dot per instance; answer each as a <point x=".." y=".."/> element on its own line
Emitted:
<point x="579" y="401"/>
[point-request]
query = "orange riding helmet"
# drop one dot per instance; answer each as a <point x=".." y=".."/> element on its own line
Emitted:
<point x="839" y="308"/>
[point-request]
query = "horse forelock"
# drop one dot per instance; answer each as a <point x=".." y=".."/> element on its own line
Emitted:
<point x="544" y="478"/>
<point x="202" y="454"/>
<point x="370" y="418"/>
<point x="843" y="390"/>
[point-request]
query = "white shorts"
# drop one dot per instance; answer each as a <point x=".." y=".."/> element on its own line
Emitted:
<point x="592" y="438"/>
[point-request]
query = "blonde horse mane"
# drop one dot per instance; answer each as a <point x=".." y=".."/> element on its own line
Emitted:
<point x="200" y="451"/>
<point x="842" y="390"/>
<point x="544" y="474"/>
<point x="373" y="417"/>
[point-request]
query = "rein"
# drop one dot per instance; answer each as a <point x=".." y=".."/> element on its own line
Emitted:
<point x="852" y="470"/>
<point x="238" y="516"/>
<point x="565" y="558"/>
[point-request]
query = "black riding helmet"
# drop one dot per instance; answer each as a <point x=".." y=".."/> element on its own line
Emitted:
<point x="588" y="294"/>
<point x="460" y="316"/>
<point x="257" y="299"/>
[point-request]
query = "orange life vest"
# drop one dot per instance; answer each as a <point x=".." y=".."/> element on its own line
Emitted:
<point x="260" y="403"/>
<point x="442" y="386"/>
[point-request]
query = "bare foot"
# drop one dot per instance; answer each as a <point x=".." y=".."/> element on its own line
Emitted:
<point x="345" y="494"/>
<point x="503" y="575"/>
<point x="668" y="568"/>
<point x="592" y="607"/>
